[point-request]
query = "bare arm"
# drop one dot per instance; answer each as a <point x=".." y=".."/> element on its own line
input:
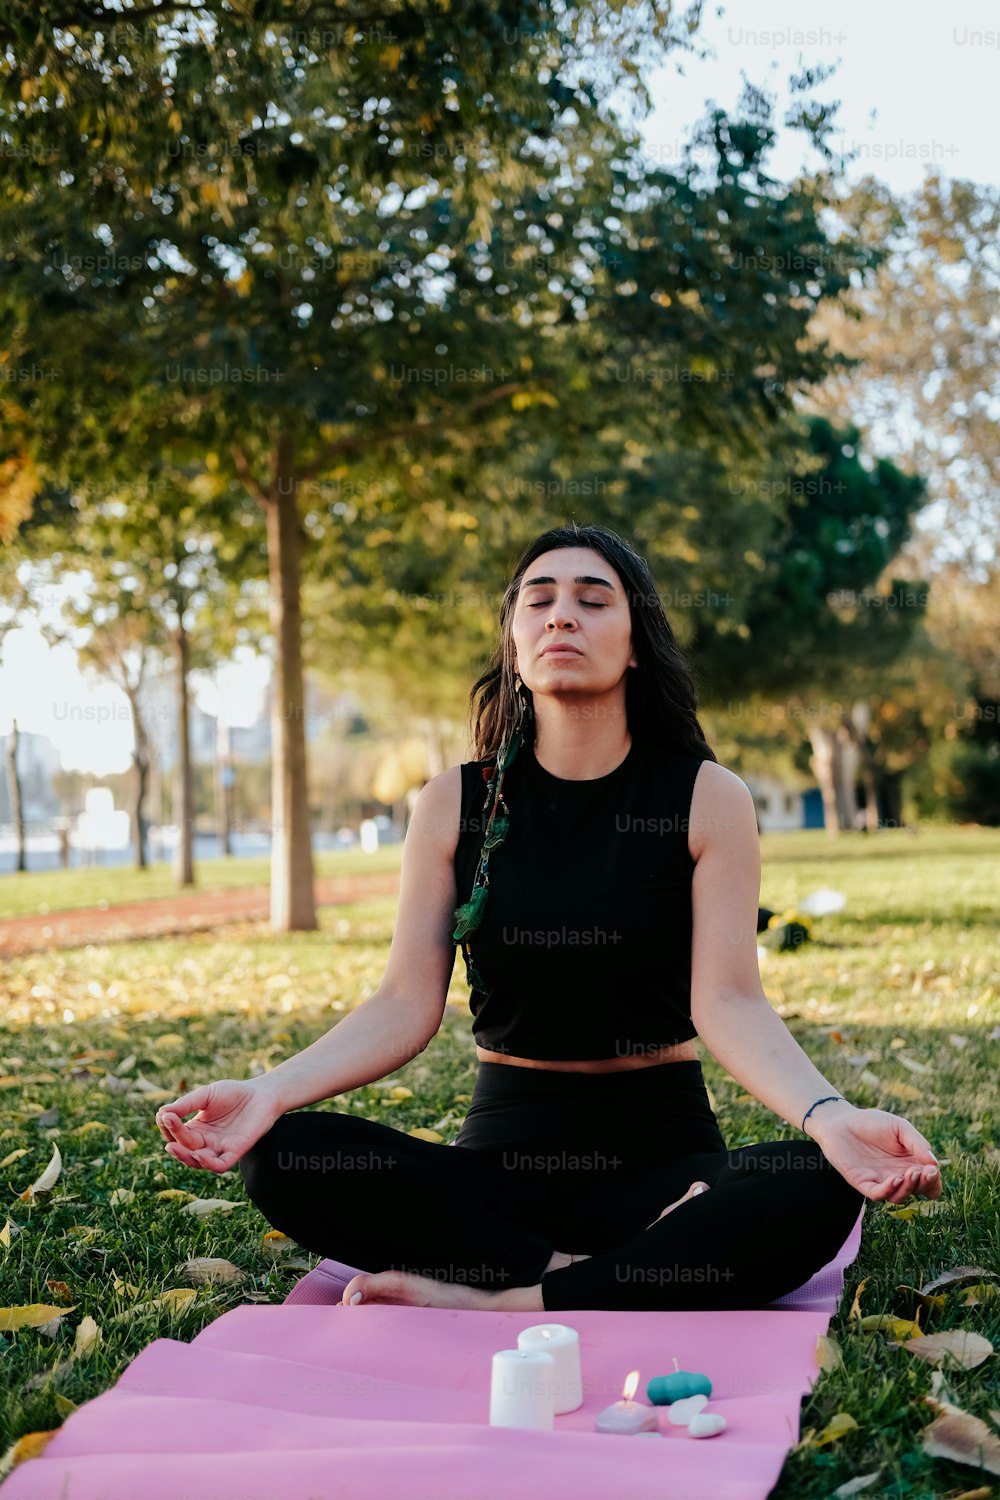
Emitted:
<point x="399" y="1020"/>
<point x="733" y="1016"/>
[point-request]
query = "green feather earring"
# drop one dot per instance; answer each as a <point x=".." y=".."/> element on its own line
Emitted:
<point x="469" y="916"/>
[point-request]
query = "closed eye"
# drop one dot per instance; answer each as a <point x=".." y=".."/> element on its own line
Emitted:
<point x="585" y="602"/>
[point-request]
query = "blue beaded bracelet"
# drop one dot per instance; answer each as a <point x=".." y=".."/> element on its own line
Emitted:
<point x="813" y="1106"/>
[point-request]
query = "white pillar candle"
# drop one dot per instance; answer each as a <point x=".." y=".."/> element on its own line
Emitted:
<point x="522" y="1391"/>
<point x="564" y="1345"/>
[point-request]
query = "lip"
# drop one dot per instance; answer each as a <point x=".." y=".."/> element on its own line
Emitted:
<point x="562" y="650"/>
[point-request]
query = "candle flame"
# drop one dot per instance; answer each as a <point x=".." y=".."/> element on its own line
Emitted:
<point x="631" y="1381"/>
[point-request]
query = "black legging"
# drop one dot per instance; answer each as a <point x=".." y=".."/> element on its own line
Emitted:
<point x="578" y="1162"/>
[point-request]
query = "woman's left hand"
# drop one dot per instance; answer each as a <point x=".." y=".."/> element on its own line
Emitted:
<point x="882" y="1155"/>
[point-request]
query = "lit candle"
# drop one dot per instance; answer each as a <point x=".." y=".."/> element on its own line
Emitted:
<point x="522" y="1389"/>
<point x="628" y="1417"/>
<point x="564" y="1345"/>
<point x="662" y="1389"/>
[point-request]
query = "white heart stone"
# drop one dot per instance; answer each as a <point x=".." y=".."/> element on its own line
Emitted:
<point x="706" y="1424"/>
<point x="681" y="1412"/>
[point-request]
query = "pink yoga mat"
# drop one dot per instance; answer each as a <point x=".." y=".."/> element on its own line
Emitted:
<point x="380" y="1402"/>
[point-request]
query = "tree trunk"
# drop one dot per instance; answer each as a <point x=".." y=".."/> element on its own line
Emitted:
<point x="140" y="782"/>
<point x="293" y="901"/>
<point x="857" y="724"/>
<point x="824" y="764"/>
<point x="155" y="801"/>
<point x="183" y="779"/>
<point x="14" y="792"/>
<point x="846" y="759"/>
<point x="223" y="786"/>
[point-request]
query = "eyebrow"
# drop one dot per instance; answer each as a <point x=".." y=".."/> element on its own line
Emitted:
<point x="583" y="578"/>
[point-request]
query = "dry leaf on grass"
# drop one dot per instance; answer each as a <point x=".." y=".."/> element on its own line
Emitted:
<point x="202" y="1206"/>
<point x="31" y="1445"/>
<point x="855" y="1486"/>
<point x="839" y="1423"/>
<point x="47" y="1180"/>
<point x="210" y="1268"/>
<point x="828" y="1355"/>
<point x="903" y="1327"/>
<point x="87" y="1338"/>
<point x="177" y="1300"/>
<point x="965" y="1348"/>
<point x="957" y="1273"/>
<point x="913" y="1210"/>
<point x="900" y="1090"/>
<point x="958" y="1435"/>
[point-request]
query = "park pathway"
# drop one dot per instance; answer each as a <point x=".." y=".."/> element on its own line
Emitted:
<point x="164" y="916"/>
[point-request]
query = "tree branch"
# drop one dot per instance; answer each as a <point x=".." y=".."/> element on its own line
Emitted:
<point x="246" y="474"/>
<point x="355" y="439"/>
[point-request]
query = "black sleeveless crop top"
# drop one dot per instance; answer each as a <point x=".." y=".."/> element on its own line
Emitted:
<point x="585" y="943"/>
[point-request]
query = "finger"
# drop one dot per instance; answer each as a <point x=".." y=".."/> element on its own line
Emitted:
<point x="183" y="1155"/>
<point x="186" y="1135"/>
<point x="877" y="1190"/>
<point x="168" y="1122"/>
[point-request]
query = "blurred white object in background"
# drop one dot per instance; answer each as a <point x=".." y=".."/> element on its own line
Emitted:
<point x="820" y="903"/>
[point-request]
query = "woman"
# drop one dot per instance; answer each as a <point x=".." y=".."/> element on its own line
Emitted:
<point x="611" y="875"/>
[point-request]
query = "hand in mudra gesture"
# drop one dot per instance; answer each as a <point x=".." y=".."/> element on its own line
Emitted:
<point x="232" y="1116"/>
<point x="881" y="1154"/>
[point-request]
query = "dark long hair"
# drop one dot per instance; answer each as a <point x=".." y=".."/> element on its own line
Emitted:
<point x="660" y="695"/>
<point x="660" y="699"/>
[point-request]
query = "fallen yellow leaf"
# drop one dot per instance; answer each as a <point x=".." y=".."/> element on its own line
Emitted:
<point x="31" y="1445"/>
<point x="839" y="1423"/>
<point x="899" y="1326"/>
<point x="901" y="1090"/>
<point x="828" y="1355"/>
<point x="175" y="1301"/>
<point x="31" y="1315"/>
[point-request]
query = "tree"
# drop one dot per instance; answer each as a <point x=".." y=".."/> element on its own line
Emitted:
<point x="281" y="290"/>
<point x="819" y="626"/>
<point x="164" y="567"/>
<point x="926" y="335"/>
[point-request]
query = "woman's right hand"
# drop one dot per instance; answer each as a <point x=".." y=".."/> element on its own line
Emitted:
<point x="232" y="1116"/>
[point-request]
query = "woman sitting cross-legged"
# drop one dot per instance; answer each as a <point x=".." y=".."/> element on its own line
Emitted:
<point x="601" y="872"/>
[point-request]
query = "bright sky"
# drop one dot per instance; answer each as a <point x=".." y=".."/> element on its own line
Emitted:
<point x="915" y="83"/>
<point x="914" y="86"/>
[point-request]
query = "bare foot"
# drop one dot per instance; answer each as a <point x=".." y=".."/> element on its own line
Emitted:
<point x="692" y="1192"/>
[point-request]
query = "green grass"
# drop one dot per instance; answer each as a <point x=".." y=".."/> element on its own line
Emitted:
<point x="911" y="960"/>
<point x="44" y="891"/>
